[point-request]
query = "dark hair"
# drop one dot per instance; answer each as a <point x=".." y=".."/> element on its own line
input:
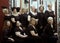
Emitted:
<point x="18" y="8"/>
<point x="13" y="8"/>
<point x="4" y="7"/>
<point x="41" y="6"/>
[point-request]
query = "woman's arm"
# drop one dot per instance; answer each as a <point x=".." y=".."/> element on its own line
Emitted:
<point x="33" y="33"/>
<point x="20" y="35"/>
<point x="29" y="17"/>
<point x="11" y="39"/>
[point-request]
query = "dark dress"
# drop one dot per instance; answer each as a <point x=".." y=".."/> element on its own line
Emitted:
<point x="48" y="14"/>
<point x="16" y="19"/>
<point x="19" y="39"/>
<point x="7" y="18"/>
<point x="23" y="20"/>
<point x="49" y="34"/>
<point x="34" y="16"/>
<point x="6" y="34"/>
<point x="32" y="39"/>
<point x="41" y="23"/>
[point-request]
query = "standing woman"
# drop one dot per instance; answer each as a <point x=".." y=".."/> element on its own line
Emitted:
<point x="20" y="35"/>
<point x="41" y="20"/>
<point x="15" y="14"/>
<point x="7" y="33"/>
<point x="32" y="32"/>
<point x="14" y="17"/>
<point x="23" y="18"/>
<point x="7" y="16"/>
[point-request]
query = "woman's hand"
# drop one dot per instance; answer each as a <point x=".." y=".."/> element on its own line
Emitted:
<point x="11" y="39"/>
<point x="13" y="20"/>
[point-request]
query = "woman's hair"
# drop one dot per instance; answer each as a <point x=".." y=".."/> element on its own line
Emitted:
<point x="5" y="25"/>
<point x="41" y="6"/>
<point x="32" y="19"/>
<point x="50" y="18"/>
<point x="49" y="5"/>
<point x="18" y="8"/>
<point x="13" y="8"/>
<point x="23" y="10"/>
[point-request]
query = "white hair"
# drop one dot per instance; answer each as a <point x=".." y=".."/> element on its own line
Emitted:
<point x="50" y="18"/>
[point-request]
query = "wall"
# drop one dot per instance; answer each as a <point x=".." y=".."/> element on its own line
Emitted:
<point x="2" y="3"/>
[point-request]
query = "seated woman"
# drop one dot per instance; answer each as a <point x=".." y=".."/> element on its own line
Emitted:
<point x="50" y="32"/>
<point x="32" y="31"/>
<point x="7" y="36"/>
<point x="20" y="34"/>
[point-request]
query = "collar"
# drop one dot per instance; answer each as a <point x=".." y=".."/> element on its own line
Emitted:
<point x="34" y="13"/>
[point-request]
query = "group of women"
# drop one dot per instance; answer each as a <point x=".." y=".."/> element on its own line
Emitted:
<point x="21" y="26"/>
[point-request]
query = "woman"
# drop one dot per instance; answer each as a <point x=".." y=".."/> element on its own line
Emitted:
<point x="7" y="33"/>
<point x="20" y="35"/>
<point x="14" y="17"/>
<point x="23" y="18"/>
<point x="15" y="14"/>
<point x="50" y="32"/>
<point x="7" y="16"/>
<point x="32" y="32"/>
<point x="40" y="20"/>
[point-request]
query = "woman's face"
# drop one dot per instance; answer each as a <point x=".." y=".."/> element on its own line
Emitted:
<point x="49" y="7"/>
<point x="5" y="11"/>
<point x="41" y="9"/>
<point x="50" y="21"/>
<point x="14" y="10"/>
<point x="8" y="23"/>
<point x="33" y="8"/>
